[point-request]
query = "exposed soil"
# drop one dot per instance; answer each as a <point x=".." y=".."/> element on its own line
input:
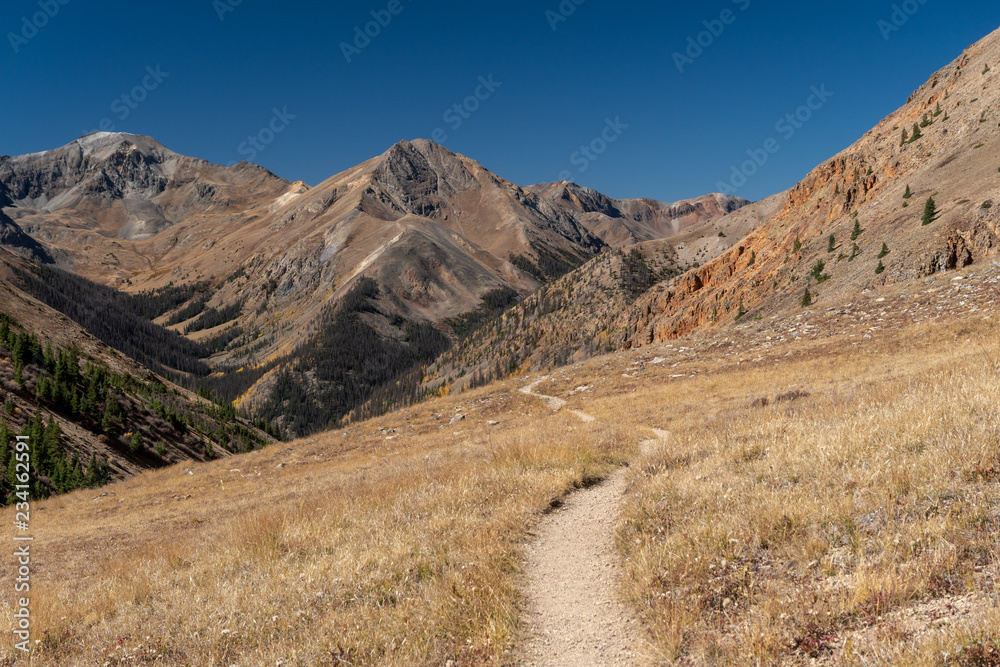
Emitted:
<point x="574" y="616"/>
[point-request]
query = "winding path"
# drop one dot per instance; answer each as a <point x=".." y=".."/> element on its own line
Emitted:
<point x="574" y="616"/>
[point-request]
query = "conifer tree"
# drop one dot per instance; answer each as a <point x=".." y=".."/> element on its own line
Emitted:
<point x="930" y="211"/>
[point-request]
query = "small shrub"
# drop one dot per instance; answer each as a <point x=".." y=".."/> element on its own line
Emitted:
<point x="987" y="204"/>
<point x="798" y="244"/>
<point x="161" y="449"/>
<point x="817" y="272"/>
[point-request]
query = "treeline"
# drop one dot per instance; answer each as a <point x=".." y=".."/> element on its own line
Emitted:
<point x="636" y="275"/>
<point x="118" y="406"/>
<point x="151" y="304"/>
<point x="548" y="265"/>
<point x="118" y="319"/>
<point x="213" y="317"/>
<point x="51" y="470"/>
<point x="494" y="302"/>
<point x="346" y="364"/>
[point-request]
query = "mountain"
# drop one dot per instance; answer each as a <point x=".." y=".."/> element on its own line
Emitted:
<point x="853" y="225"/>
<point x="412" y="240"/>
<point x="622" y="222"/>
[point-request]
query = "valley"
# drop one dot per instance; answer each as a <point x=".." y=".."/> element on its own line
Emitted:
<point x="417" y="414"/>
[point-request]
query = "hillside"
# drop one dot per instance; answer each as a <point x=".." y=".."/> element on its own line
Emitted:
<point x="953" y="162"/>
<point x="825" y="490"/>
<point x="102" y="413"/>
<point x="855" y="223"/>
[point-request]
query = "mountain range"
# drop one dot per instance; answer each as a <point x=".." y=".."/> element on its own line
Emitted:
<point x="262" y="275"/>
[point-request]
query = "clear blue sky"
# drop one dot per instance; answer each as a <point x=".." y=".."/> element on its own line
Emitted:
<point x="221" y="78"/>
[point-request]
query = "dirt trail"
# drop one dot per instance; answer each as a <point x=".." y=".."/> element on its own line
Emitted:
<point x="573" y="615"/>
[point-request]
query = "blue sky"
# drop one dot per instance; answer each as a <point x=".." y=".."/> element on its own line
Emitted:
<point x="593" y="92"/>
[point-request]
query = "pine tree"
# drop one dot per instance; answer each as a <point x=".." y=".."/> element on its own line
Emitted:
<point x="76" y="476"/>
<point x="880" y="268"/>
<point x="49" y="358"/>
<point x="741" y="312"/>
<point x="916" y="133"/>
<point x="91" y="479"/>
<point x="908" y="193"/>
<point x="885" y="251"/>
<point x="798" y="244"/>
<point x="109" y="423"/>
<point x="856" y="232"/>
<point x="930" y="211"/>
<point x="832" y="244"/>
<point x="807" y="299"/>
<point x="902" y="142"/>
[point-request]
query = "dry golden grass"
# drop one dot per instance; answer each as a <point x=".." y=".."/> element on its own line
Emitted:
<point x="361" y="550"/>
<point x="835" y="525"/>
<point x="851" y="518"/>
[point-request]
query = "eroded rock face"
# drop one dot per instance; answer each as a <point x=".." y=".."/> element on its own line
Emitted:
<point x="624" y="221"/>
